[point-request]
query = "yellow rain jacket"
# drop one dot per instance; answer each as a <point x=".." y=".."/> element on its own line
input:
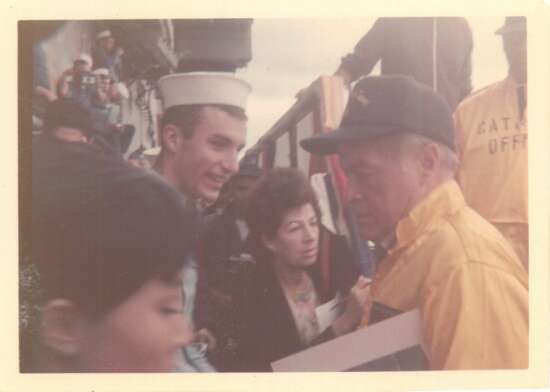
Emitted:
<point x="492" y="148"/>
<point x="466" y="280"/>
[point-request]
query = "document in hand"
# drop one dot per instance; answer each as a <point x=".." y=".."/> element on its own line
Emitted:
<point x="392" y="344"/>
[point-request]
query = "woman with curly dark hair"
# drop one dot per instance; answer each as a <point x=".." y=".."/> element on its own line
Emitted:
<point x="279" y="300"/>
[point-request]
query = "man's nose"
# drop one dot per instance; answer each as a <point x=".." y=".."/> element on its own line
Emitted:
<point x="310" y="233"/>
<point x="231" y="163"/>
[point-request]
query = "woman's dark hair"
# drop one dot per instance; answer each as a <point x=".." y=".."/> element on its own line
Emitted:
<point x="102" y="228"/>
<point x="276" y="193"/>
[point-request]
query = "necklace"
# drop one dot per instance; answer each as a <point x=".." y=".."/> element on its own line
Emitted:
<point x="303" y="295"/>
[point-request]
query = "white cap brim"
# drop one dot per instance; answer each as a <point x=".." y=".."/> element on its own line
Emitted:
<point x="101" y="71"/>
<point x="85" y="57"/>
<point x="103" y="34"/>
<point x="203" y="88"/>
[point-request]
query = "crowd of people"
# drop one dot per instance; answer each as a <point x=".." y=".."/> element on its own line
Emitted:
<point x="200" y="265"/>
<point x="94" y="83"/>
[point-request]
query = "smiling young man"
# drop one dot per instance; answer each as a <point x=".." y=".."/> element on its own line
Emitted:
<point x="203" y="129"/>
<point x="396" y="144"/>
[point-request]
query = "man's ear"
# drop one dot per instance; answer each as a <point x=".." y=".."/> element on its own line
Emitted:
<point x="430" y="159"/>
<point x="171" y="137"/>
<point x="61" y="327"/>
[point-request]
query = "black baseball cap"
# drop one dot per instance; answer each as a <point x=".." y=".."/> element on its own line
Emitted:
<point x="513" y="24"/>
<point x="384" y="105"/>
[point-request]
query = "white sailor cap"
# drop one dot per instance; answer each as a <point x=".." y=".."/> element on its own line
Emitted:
<point x="101" y="71"/>
<point x="103" y="34"/>
<point x="84" y="57"/>
<point x="203" y="88"/>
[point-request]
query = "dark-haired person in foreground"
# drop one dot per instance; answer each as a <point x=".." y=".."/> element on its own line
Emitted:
<point x="67" y="120"/>
<point x="279" y="298"/>
<point x="396" y="143"/>
<point x="110" y="242"/>
<point x="203" y="129"/>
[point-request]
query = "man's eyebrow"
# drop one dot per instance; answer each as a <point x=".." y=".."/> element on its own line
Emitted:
<point x="222" y="137"/>
<point x="226" y="140"/>
<point x="348" y="167"/>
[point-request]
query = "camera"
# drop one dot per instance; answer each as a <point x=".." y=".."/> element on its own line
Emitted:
<point x="88" y="78"/>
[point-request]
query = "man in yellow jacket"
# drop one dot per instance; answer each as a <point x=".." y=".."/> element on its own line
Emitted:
<point x="396" y="143"/>
<point x="492" y="145"/>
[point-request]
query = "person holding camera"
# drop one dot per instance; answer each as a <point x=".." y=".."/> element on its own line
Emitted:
<point x="78" y="83"/>
<point x="106" y="112"/>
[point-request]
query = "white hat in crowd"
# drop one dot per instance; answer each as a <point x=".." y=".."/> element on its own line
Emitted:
<point x="85" y="57"/>
<point x="103" y="34"/>
<point x="203" y="88"/>
<point x="101" y="71"/>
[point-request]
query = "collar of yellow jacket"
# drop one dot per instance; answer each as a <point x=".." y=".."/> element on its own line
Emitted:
<point x="443" y="201"/>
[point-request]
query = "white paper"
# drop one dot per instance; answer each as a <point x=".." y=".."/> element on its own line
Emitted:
<point x="329" y="311"/>
<point x="360" y="347"/>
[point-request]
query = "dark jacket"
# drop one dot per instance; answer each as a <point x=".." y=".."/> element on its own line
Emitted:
<point x="221" y="240"/>
<point x="405" y="46"/>
<point x="268" y="330"/>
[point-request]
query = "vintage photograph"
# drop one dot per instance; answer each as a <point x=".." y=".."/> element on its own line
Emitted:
<point x="273" y="195"/>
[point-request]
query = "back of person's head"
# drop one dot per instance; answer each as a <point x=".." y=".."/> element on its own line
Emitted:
<point x="276" y="193"/>
<point x="102" y="228"/>
<point x="68" y="114"/>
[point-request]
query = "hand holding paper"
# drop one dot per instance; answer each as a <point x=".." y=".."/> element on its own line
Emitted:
<point x="355" y="305"/>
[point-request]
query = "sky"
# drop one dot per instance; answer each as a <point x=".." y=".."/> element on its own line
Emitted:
<point x="289" y="54"/>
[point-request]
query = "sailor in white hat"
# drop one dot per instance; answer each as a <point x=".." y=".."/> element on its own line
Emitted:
<point x="85" y="58"/>
<point x="103" y="34"/>
<point x="202" y="131"/>
<point x="107" y="54"/>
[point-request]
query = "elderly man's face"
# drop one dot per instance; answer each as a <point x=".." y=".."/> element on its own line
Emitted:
<point x="381" y="188"/>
